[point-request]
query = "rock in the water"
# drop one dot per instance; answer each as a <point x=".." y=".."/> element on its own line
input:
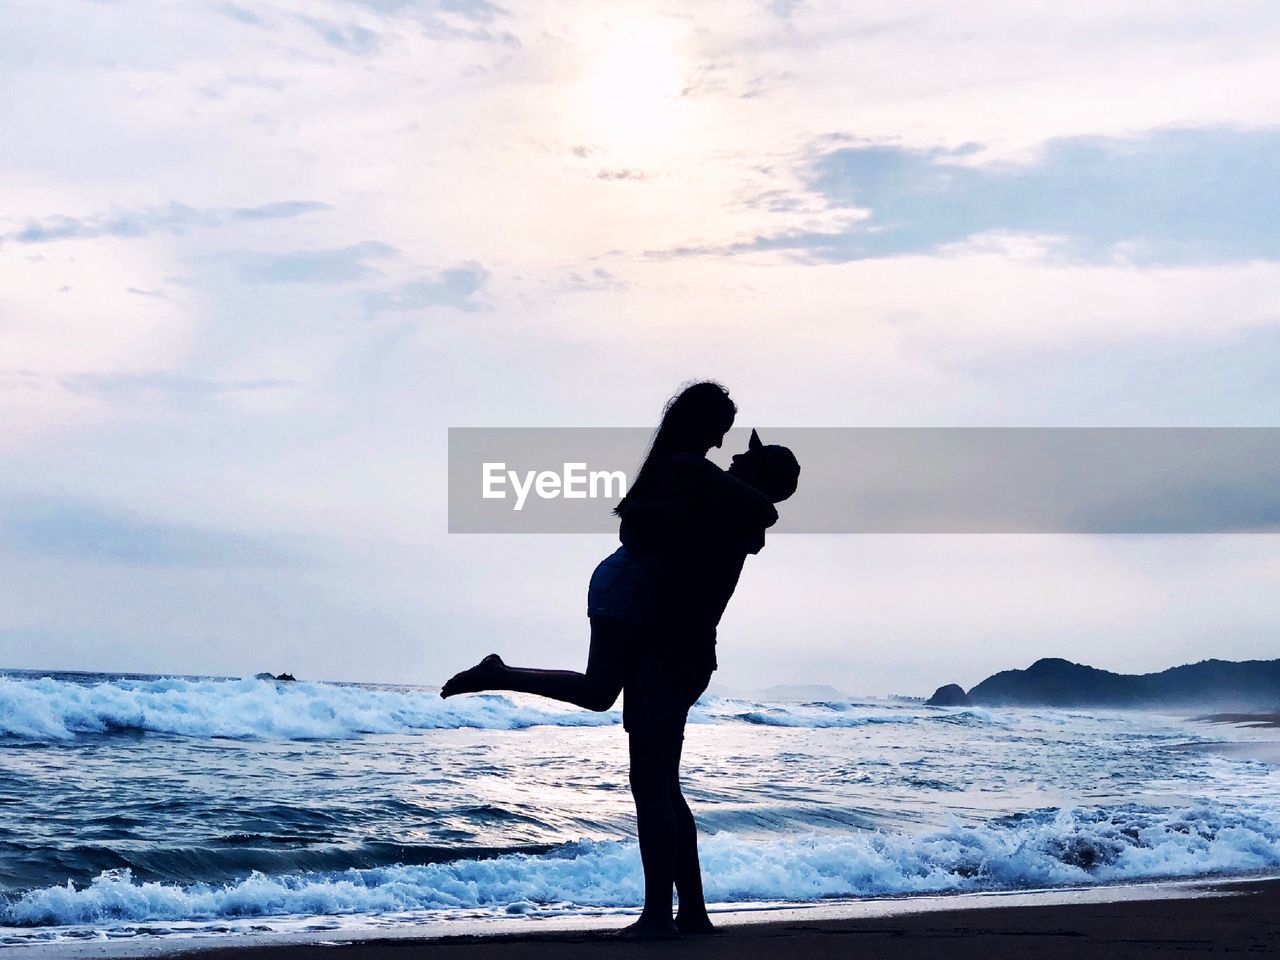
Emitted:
<point x="952" y="695"/>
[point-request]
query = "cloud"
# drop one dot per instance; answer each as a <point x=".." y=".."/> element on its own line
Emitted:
<point x="448" y="19"/>
<point x="784" y="8"/>
<point x="334" y="265"/>
<point x="450" y="288"/>
<point x="138" y="385"/>
<point x="594" y="280"/>
<point x="622" y="174"/>
<point x="349" y="38"/>
<point x="725" y="78"/>
<point x="480" y="11"/>
<point x="22" y="380"/>
<point x="1166" y="379"/>
<point x="443" y="19"/>
<point x="68" y="528"/>
<point x="174" y="218"/>
<point x="1172" y="197"/>
<point x="280" y="210"/>
<point x="242" y="14"/>
<point x="172" y="385"/>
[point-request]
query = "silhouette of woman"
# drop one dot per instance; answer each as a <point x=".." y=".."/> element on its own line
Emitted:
<point x="653" y="606"/>
<point x="693" y="421"/>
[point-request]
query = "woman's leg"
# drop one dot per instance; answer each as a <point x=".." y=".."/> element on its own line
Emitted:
<point x="655" y="756"/>
<point x="596" y="689"/>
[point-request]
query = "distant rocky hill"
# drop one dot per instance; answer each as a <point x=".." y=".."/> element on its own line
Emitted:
<point x="1052" y="682"/>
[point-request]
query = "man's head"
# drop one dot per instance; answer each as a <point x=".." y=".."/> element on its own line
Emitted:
<point x="773" y="470"/>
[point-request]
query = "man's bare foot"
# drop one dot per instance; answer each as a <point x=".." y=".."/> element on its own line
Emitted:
<point x="647" y="928"/>
<point x="697" y="925"/>
<point x="478" y="678"/>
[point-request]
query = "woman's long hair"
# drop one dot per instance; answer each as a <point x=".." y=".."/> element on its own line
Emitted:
<point x="693" y="415"/>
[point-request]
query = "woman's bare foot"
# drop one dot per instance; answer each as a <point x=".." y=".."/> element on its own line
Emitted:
<point x="478" y="678"/>
<point x="650" y="928"/>
<point x="696" y="925"/>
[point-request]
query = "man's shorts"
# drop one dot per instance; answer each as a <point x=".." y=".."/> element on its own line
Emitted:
<point x="666" y="672"/>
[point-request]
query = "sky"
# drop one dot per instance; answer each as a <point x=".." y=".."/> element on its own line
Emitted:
<point x="256" y="259"/>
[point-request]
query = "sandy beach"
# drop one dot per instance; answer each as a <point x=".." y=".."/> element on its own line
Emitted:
<point x="1229" y="918"/>
<point x="1266" y="751"/>
<point x="1260" y="720"/>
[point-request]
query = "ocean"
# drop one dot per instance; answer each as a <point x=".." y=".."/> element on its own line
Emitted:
<point x="171" y="807"/>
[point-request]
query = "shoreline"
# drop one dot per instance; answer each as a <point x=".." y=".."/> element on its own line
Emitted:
<point x="1255" y="720"/>
<point x="1235" y="917"/>
<point x="1169" y="914"/>
<point x="1264" y="751"/>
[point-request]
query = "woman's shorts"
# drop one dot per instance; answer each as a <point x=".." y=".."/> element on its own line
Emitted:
<point x="621" y="588"/>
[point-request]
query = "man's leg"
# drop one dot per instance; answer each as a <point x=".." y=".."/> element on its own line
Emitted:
<point x="596" y="689"/>
<point x="691" y="917"/>
<point x="654" y="760"/>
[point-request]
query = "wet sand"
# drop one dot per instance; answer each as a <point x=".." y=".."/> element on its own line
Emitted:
<point x="1243" y="719"/>
<point x="1242" y="917"/>
<point x="1268" y="751"/>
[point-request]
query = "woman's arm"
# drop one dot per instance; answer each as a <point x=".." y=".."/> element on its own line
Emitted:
<point x="650" y="524"/>
<point x="698" y="500"/>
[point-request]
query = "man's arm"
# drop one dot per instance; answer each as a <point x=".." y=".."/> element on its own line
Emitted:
<point x="700" y="502"/>
<point x="720" y="496"/>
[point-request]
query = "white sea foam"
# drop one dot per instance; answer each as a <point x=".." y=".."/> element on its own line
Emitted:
<point x="50" y="709"/>
<point x="794" y="717"/>
<point x="839" y="715"/>
<point x="1044" y="848"/>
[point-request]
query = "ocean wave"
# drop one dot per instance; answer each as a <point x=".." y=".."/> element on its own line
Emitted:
<point x="794" y="717"/>
<point x="820" y="716"/>
<point x="49" y="709"/>
<point x="1054" y="847"/>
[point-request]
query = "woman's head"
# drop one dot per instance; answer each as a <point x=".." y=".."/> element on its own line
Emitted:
<point x="696" y="419"/>
<point x="693" y="421"/>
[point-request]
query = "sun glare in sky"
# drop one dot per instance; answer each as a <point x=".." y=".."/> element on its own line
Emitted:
<point x="634" y="85"/>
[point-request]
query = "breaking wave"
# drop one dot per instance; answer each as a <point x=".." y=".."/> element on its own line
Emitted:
<point x="1052" y="847"/>
<point x="49" y="709"/>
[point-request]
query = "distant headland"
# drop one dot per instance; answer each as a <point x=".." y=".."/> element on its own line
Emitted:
<point x="1052" y="682"/>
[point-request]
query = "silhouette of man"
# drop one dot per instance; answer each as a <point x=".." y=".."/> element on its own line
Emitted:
<point x="692" y="540"/>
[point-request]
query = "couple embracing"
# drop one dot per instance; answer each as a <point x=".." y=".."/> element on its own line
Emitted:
<point x="654" y="604"/>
